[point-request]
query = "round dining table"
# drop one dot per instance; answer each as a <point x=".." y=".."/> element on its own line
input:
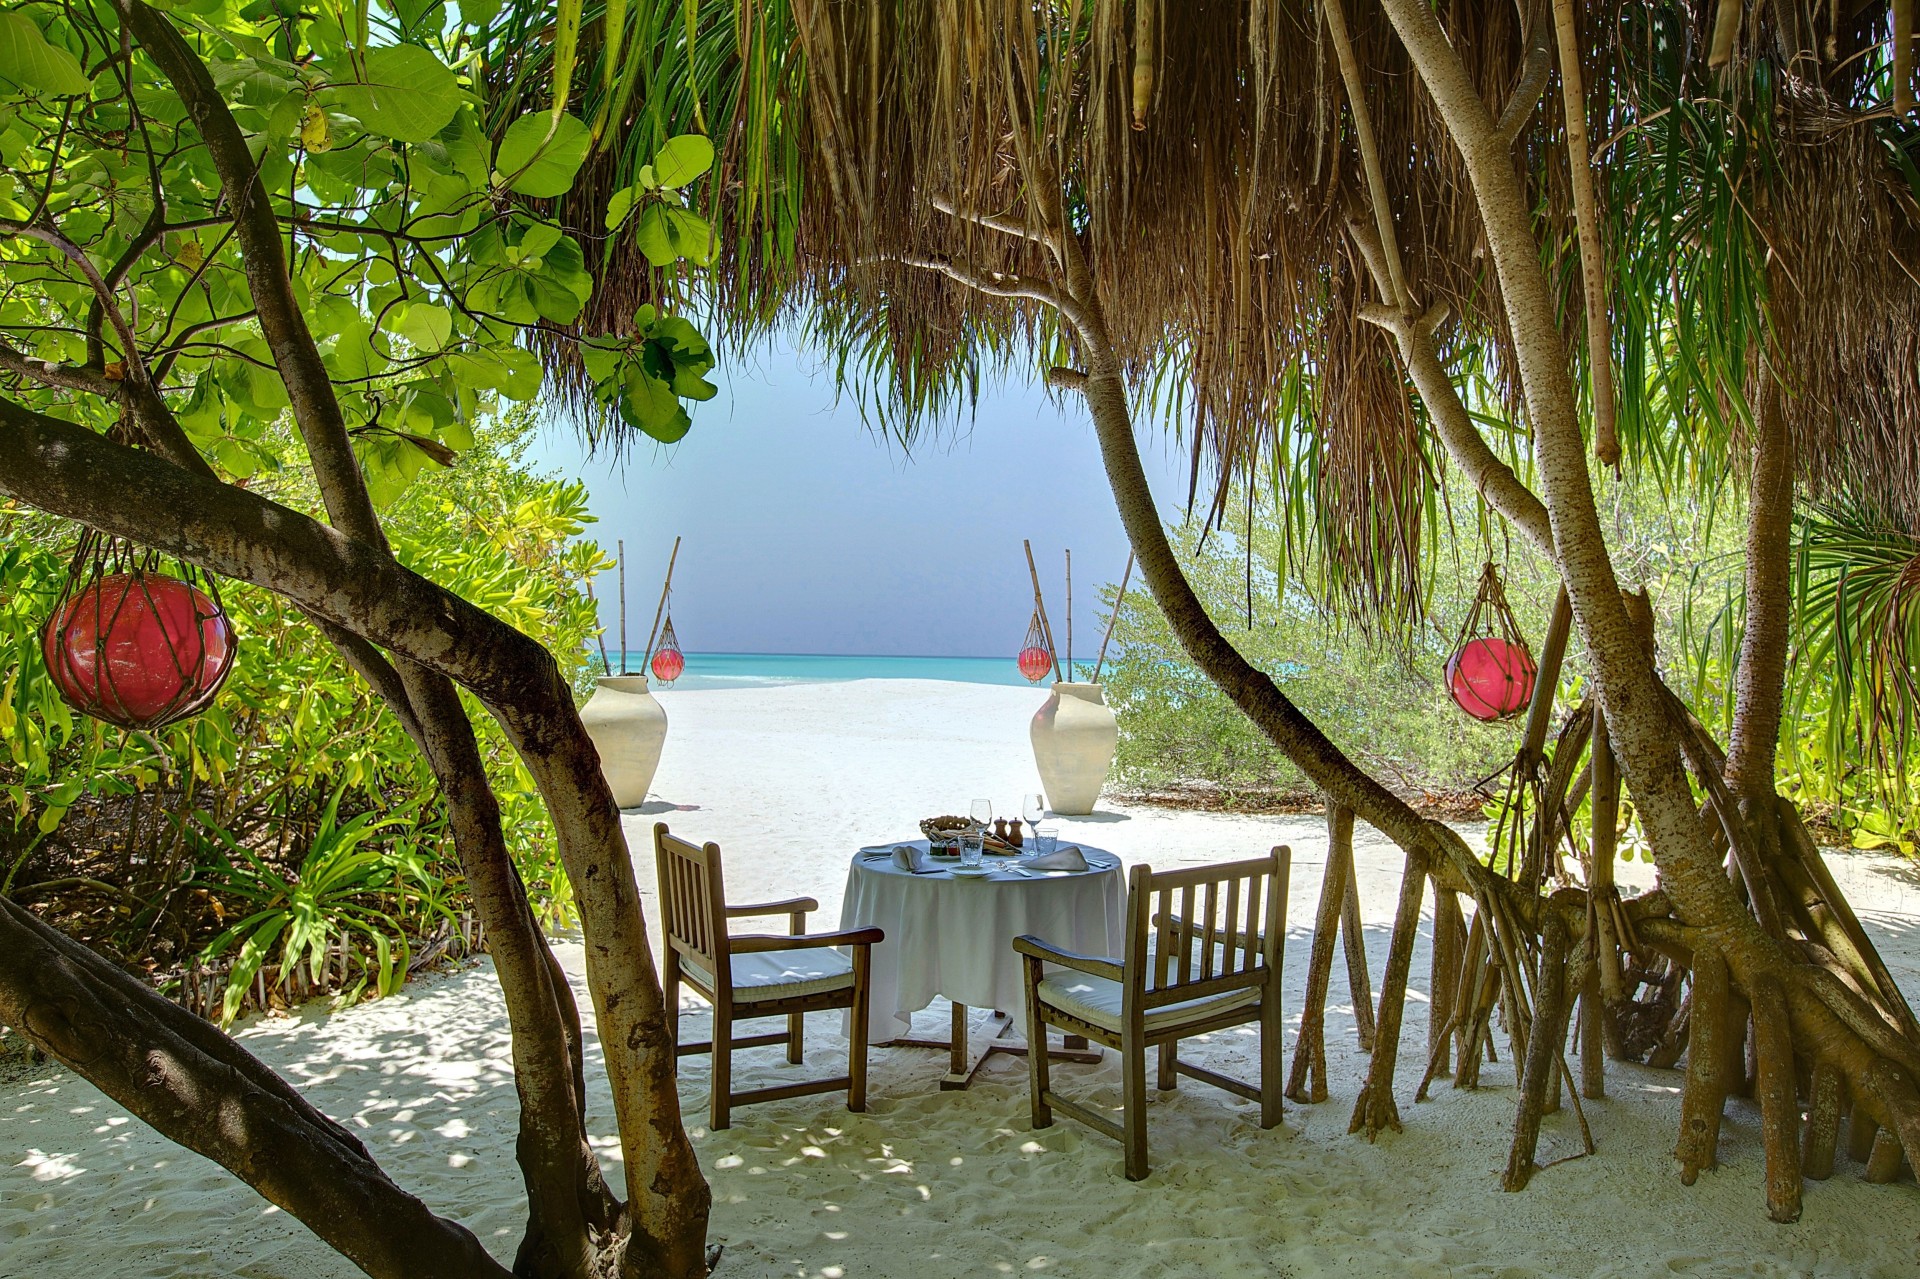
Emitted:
<point x="951" y="935"/>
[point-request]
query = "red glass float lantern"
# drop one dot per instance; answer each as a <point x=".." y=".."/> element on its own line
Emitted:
<point x="1036" y="664"/>
<point x="134" y="646"/>
<point x="1491" y="678"/>
<point x="1491" y="673"/>
<point x="1036" y="657"/>
<point x="668" y="663"/>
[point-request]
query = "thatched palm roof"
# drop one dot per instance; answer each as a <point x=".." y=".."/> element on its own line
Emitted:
<point x="1204" y="152"/>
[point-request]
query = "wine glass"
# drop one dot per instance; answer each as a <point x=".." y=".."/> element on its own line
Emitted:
<point x="982" y="813"/>
<point x="1032" y="808"/>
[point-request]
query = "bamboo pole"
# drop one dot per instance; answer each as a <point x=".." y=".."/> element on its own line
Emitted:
<point x="1113" y="618"/>
<point x="1040" y="606"/>
<point x="600" y="632"/>
<point x="622" y="551"/>
<point x="665" y="588"/>
<point x="1069" y="614"/>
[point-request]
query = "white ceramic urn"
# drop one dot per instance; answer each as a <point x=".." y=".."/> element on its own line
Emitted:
<point x="628" y="728"/>
<point x="1073" y="739"/>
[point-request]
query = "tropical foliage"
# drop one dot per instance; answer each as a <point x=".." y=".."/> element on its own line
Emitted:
<point x="297" y="799"/>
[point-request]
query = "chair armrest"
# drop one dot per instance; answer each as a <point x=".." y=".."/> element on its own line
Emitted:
<point x="797" y="906"/>
<point x="746" y="945"/>
<point x="1094" y="965"/>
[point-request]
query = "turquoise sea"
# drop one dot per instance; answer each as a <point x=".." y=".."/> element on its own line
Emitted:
<point x="759" y="670"/>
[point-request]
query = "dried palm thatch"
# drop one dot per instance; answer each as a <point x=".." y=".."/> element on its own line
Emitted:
<point x="1205" y="153"/>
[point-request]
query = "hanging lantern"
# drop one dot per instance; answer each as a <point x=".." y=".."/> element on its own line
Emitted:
<point x="1036" y="659"/>
<point x="668" y="663"/>
<point x="131" y="645"/>
<point x="1491" y="673"/>
<point x="1491" y="678"/>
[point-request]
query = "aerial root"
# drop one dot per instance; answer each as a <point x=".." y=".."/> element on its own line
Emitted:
<point x="1541" y="1068"/>
<point x="1823" y="1123"/>
<point x="1779" y="1104"/>
<point x="1706" y="1091"/>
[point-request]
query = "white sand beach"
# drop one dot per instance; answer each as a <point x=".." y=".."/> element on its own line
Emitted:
<point x="929" y="1184"/>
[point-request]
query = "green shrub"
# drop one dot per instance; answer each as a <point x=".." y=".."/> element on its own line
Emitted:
<point x="158" y="847"/>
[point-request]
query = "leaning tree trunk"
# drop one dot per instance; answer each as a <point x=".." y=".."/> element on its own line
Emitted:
<point x="70" y="471"/>
<point x="1432" y="848"/>
<point x="577" y="1228"/>
<point x="1787" y="981"/>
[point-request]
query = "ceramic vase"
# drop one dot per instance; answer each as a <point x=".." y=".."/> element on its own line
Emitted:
<point x="1073" y="739"/>
<point x="628" y="728"/>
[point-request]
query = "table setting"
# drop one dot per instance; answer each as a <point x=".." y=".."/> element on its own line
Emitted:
<point x="951" y="903"/>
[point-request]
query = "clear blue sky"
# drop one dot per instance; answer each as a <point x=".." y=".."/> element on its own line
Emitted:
<point x="806" y="532"/>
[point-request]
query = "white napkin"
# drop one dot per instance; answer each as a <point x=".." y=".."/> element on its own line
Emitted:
<point x="1068" y="858"/>
<point x="917" y="860"/>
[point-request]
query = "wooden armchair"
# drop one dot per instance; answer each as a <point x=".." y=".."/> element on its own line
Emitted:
<point x="1203" y="953"/>
<point x="747" y="977"/>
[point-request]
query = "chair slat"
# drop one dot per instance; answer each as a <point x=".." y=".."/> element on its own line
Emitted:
<point x="1254" y="918"/>
<point x="1212" y="909"/>
<point x="1233" y="922"/>
<point x="1165" y="940"/>
<point x="1186" y="936"/>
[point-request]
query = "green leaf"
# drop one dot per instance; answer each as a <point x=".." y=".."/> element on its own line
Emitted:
<point x="621" y="205"/>
<point x="539" y="239"/>
<point x="427" y="327"/>
<point x="479" y="13"/>
<point x="682" y="159"/>
<point x="649" y="405"/>
<point x="405" y="93"/>
<point x="30" y="62"/>
<point x="533" y="164"/>
<point x="521" y="373"/>
<point x="667" y="233"/>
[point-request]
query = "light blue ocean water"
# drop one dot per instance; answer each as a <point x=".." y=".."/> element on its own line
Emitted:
<point x="759" y="670"/>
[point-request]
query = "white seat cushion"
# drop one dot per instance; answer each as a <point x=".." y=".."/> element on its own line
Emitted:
<point x="782" y="974"/>
<point x="1097" y="1000"/>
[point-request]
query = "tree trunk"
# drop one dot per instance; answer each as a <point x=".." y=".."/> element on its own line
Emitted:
<point x="1645" y="721"/>
<point x="70" y="471"/>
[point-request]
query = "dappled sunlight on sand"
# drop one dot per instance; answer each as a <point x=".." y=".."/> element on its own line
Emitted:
<point x="931" y="1184"/>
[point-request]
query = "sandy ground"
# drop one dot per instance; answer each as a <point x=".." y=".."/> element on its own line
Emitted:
<point x="929" y="1183"/>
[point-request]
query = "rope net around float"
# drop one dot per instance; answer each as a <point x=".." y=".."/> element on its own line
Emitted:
<point x="1035" y="659"/>
<point x="131" y="645"/>
<point x="668" y="662"/>
<point x="1491" y="673"/>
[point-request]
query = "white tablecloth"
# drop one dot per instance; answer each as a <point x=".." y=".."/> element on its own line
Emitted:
<point x="954" y="937"/>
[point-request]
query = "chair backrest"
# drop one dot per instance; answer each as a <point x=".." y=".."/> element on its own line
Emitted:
<point x="693" y="910"/>
<point x="1205" y="930"/>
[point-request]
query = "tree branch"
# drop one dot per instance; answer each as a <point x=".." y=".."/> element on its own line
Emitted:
<point x="199" y="1088"/>
<point x="67" y="377"/>
<point x="1420" y="353"/>
<point x="1048" y="238"/>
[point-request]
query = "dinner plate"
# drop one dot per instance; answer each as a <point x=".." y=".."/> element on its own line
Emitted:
<point x="970" y="872"/>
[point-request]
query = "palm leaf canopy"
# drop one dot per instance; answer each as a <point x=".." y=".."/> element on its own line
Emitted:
<point x="1204" y="152"/>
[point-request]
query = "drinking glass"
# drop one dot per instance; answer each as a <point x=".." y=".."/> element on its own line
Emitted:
<point x="982" y="812"/>
<point x="970" y="847"/>
<point x="1045" y="840"/>
<point x="1033" y="807"/>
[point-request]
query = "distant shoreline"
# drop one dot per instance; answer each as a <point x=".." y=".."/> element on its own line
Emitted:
<point x="763" y="670"/>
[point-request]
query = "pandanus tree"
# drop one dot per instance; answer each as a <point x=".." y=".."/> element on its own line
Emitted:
<point x="221" y="221"/>
<point x="1381" y="236"/>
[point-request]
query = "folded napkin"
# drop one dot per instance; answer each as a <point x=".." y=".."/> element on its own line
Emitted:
<point x="1068" y="858"/>
<point x="917" y="860"/>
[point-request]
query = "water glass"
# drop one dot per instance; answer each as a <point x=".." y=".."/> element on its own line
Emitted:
<point x="1046" y="839"/>
<point x="970" y="847"/>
